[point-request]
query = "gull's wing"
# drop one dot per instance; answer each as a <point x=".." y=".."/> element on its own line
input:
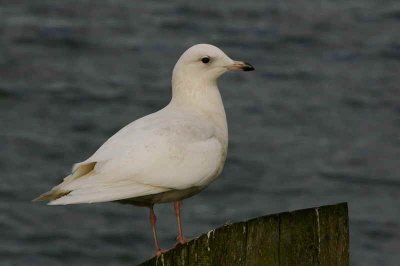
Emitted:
<point x="160" y="152"/>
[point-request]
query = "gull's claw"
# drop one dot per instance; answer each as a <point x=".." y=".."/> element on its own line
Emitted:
<point x="159" y="252"/>
<point x="180" y="240"/>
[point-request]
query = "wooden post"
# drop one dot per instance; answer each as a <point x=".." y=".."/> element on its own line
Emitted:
<point x="316" y="236"/>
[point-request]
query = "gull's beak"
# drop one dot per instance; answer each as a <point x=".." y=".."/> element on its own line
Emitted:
<point x="239" y="65"/>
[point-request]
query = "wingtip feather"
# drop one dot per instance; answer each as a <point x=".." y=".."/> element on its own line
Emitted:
<point x="51" y="195"/>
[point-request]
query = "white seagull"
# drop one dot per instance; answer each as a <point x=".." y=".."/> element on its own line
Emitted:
<point x="166" y="156"/>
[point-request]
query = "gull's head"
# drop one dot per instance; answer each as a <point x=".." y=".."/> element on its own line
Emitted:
<point x="202" y="64"/>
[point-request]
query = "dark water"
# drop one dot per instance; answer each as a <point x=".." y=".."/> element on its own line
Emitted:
<point x="317" y="123"/>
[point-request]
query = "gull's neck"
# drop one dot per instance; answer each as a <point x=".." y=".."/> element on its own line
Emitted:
<point x="202" y="96"/>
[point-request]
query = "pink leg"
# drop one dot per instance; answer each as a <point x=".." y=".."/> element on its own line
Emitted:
<point x="181" y="239"/>
<point x="153" y="221"/>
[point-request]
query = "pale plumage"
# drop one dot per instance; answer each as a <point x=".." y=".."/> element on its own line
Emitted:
<point x="165" y="156"/>
<point x="160" y="152"/>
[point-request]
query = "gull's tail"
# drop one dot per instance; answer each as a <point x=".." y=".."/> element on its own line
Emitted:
<point x="57" y="192"/>
<point x="51" y="195"/>
<point x="87" y="186"/>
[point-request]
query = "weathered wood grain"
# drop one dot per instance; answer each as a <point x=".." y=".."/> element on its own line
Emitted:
<point x="316" y="236"/>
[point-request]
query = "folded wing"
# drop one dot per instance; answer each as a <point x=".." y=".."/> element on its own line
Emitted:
<point x="150" y="156"/>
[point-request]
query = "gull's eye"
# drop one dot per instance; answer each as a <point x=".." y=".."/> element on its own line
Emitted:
<point x="205" y="59"/>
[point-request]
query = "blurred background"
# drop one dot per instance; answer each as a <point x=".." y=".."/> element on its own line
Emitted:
<point x="317" y="122"/>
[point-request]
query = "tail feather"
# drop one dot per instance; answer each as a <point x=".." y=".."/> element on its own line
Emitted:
<point x="86" y="186"/>
<point x="112" y="193"/>
<point x="51" y="195"/>
<point x="57" y="192"/>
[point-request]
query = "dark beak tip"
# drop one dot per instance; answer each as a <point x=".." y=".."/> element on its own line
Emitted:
<point x="248" y="67"/>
